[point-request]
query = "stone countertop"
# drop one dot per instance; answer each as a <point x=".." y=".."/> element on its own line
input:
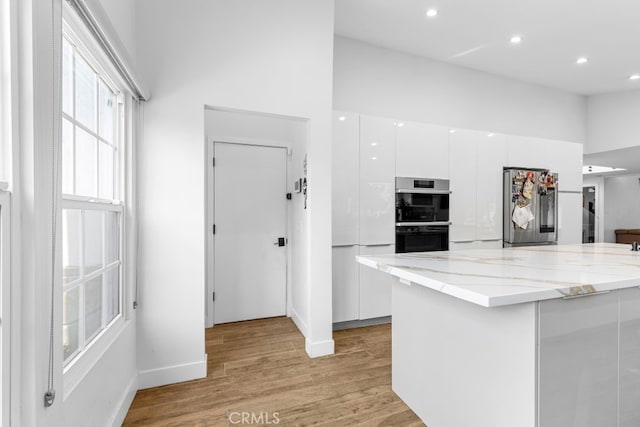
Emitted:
<point x="497" y="277"/>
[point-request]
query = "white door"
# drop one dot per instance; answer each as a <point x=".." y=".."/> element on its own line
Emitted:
<point x="250" y="263"/>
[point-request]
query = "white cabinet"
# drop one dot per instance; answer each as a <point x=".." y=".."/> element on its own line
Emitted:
<point x="422" y="150"/>
<point x="375" y="286"/>
<point x="561" y="157"/>
<point x="345" y="283"/>
<point x="346" y="178"/>
<point x="566" y="161"/>
<point x="463" y="145"/>
<point x="629" y="382"/>
<point x="492" y="158"/>
<point x="377" y="180"/>
<point x="578" y="361"/>
<point x="569" y="218"/>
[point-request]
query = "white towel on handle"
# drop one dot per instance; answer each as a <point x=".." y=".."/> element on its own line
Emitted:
<point x="522" y="216"/>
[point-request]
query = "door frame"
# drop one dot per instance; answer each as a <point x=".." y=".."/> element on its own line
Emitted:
<point x="598" y="184"/>
<point x="209" y="305"/>
<point x="5" y="298"/>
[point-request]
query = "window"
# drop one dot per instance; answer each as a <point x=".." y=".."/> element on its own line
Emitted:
<point x="91" y="211"/>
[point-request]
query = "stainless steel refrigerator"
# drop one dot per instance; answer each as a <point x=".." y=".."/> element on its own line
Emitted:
<point x="530" y="207"/>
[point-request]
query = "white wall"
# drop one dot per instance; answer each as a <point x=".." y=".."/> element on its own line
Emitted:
<point x="122" y="15"/>
<point x="622" y="207"/>
<point x="273" y="57"/>
<point x="613" y="121"/>
<point x="377" y="81"/>
<point x="278" y="131"/>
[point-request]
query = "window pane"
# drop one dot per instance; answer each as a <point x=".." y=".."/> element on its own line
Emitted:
<point x="67" y="78"/>
<point x="70" y="245"/>
<point x="86" y="164"/>
<point x="93" y="243"/>
<point x="86" y="91"/>
<point x="112" y="237"/>
<point x="105" y="180"/>
<point x="70" y="328"/>
<point x="92" y="307"/>
<point x="112" y="294"/>
<point x="107" y="104"/>
<point x="67" y="157"/>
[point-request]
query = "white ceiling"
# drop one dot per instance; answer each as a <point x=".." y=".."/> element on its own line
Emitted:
<point x="476" y="33"/>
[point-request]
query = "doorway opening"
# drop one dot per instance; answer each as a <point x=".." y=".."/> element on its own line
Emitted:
<point x="589" y="214"/>
<point x="256" y="219"/>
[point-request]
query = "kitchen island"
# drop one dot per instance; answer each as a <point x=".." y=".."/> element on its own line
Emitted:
<point x="545" y="336"/>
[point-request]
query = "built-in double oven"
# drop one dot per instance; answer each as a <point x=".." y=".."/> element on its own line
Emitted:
<point x="422" y="215"/>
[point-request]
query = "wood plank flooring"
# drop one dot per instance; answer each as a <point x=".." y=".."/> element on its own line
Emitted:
<point x="260" y="367"/>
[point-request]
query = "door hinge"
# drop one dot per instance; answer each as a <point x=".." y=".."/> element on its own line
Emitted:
<point x="214" y="296"/>
<point x="288" y="196"/>
<point x="213" y="162"/>
<point x="213" y="229"/>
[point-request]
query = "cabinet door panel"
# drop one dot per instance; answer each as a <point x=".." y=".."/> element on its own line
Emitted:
<point x="345" y="283"/>
<point x="569" y="218"/>
<point x="422" y="150"/>
<point x="377" y="181"/>
<point x="578" y="361"/>
<point x="566" y="161"/>
<point x="492" y="158"/>
<point x="629" y="357"/>
<point x="345" y="178"/>
<point x="462" y="171"/>
<point x="375" y="286"/>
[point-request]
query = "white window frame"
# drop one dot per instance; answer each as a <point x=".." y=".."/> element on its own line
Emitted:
<point x="5" y="307"/>
<point x="77" y="368"/>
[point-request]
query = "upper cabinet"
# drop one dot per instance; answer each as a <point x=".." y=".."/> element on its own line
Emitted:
<point x="563" y="158"/>
<point x="377" y="180"/>
<point x="567" y="163"/>
<point x="422" y="150"/>
<point x="345" y="178"/>
<point x="463" y="147"/>
<point x="492" y="158"/>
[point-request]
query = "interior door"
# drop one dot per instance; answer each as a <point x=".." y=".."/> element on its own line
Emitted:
<point x="250" y="256"/>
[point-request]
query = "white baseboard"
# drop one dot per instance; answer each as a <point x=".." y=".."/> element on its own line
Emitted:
<point x="125" y="403"/>
<point x="313" y="349"/>
<point x="172" y="374"/>
<point x="298" y="321"/>
<point x="320" y="348"/>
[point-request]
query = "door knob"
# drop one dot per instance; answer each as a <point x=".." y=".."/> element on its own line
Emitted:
<point x="280" y="242"/>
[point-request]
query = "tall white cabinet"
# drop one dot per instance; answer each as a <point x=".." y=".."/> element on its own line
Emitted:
<point x="422" y="150"/>
<point x="363" y="213"/>
<point x="377" y="180"/>
<point x="345" y="206"/>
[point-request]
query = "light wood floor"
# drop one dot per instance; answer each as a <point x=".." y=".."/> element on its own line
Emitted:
<point x="261" y="366"/>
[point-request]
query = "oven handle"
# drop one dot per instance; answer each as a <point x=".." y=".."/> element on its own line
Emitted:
<point x="421" y="191"/>
<point x="421" y="223"/>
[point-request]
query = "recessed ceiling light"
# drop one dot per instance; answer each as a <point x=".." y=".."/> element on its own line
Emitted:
<point x="587" y="169"/>
<point x="374" y="158"/>
<point x="431" y="13"/>
<point x="634" y="77"/>
<point x="582" y="60"/>
<point x="342" y="118"/>
<point x="373" y="144"/>
<point x="489" y="135"/>
<point x="452" y="131"/>
<point x="516" y="40"/>
<point x="400" y="124"/>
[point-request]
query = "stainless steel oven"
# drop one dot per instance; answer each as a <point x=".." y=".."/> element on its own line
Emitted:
<point x="422" y="215"/>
